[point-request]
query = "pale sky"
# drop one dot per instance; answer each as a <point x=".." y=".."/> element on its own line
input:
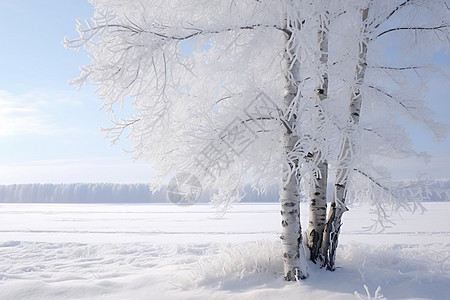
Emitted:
<point x="49" y="131"/>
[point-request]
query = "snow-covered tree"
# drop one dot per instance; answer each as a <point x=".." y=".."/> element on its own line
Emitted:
<point x="381" y="93"/>
<point x="264" y="92"/>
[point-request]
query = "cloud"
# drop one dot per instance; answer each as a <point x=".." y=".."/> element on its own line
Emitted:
<point x="87" y="170"/>
<point x="23" y="114"/>
<point x="32" y="112"/>
<point x="412" y="168"/>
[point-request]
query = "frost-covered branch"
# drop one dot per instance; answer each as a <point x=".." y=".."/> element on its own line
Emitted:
<point x="396" y="68"/>
<point x="400" y="102"/>
<point x="388" y="198"/>
<point x="388" y="16"/>
<point x="90" y="32"/>
<point x="372" y="179"/>
<point x="417" y="111"/>
<point x="419" y="28"/>
<point x="114" y="133"/>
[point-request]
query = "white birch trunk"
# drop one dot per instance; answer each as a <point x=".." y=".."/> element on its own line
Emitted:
<point x="318" y="186"/>
<point x="317" y="211"/>
<point x="333" y="226"/>
<point x="295" y="267"/>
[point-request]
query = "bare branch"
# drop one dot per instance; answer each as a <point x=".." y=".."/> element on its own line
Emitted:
<point x="258" y="118"/>
<point x="413" y="28"/>
<point x="389" y="96"/>
<point x="373" y="180"/>
<point x="135" y="29"/>
<point x="396" y="68"/>
<point x="392" y="13"/>
<point x="415" y="112"/>
<point x="202" y="32"/>
<point x="285" y="122"/>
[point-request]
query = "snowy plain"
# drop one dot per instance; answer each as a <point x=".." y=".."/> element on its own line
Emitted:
<point x="155" y="251"/>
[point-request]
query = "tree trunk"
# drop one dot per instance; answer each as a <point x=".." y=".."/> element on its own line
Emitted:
<point x="333" y="226"/>
<point x="295" y="267"/>
<point x="317" y="211"/>
<point x="318" y="186"/>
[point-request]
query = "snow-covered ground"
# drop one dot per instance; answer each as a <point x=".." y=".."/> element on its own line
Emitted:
<point x="87" y="251"/>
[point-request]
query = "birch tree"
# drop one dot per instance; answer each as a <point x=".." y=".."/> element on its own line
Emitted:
<point x="332" y="228"/>
<point x="262" y="91"/>
<point x="422" y="22"/>
<point x="215" y="87"/>
<point x="319" y="182"/>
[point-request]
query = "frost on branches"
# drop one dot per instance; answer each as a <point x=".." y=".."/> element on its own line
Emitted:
<point x="295" y="93"/>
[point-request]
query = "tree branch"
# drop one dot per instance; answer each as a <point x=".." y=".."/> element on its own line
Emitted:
<point x="413" y="28"/>
<point x="395" y="68"/>
<point x="388" y="95"/>
<point x="373" y="180"/>
<point x="392" y="13"/>
<point x="200" y="32"/>
<point x="258" y="118"/>
<point x="115" y="132"/>
<point x="135" y="29"/>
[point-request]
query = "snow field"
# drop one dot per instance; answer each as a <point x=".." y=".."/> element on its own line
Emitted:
<point x="169" y="252"/>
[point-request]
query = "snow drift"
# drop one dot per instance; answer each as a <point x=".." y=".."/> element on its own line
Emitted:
<point x="137" y="251"/>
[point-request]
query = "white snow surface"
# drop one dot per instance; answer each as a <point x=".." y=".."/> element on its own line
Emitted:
<point x="149" y="251"/>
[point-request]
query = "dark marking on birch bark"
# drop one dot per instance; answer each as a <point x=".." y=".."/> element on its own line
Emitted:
<point x="315" y="237"/>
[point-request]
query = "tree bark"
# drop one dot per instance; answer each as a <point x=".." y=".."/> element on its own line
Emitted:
<point x="318" y="186"/>
<point x="295" y="266"/>
<point x="333" y="225"/>
<point x="317" y="211"/>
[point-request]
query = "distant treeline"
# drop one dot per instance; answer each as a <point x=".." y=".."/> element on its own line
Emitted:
<point x="106" y="193"/>
<point x="75" y="193"/>
<point x="141" y="193"/>
<point x="439" y="191"/>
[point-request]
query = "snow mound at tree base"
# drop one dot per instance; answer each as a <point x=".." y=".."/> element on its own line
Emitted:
<point x="245" y="270"/>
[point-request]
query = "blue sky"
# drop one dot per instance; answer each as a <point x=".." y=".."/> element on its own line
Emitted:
<point x="49" y="131"/>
